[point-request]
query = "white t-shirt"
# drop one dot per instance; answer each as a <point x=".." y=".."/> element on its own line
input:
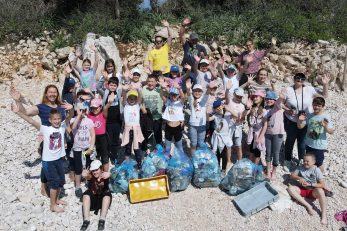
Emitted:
<point x="204" y="78"/>
<point x="235" y="79"/>
<point x="300" y="101"/>
<point x="53" y="142"/>
<point x="132" y="114"/>
<point x="173" y="111"/>
<point x="198" y="114"/>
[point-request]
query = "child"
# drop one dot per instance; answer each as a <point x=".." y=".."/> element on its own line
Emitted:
<point x="86" y="75"/>
<point x="53" y="153"/>
<point x="132" y="134"/>
<point x="98" y="115"/>
<point x="237" y="111"/>
<point x="84" y="140"/>
<point x="255" y="123"/>
<point x="231" y="75"/>
<point x="311" y="182"/>
<point x="319" y="124"/>
<point x="175" y="79"/>
<point x="220" y="137"/>
<point x="174" y="117"/>
<point x="197" y="120"/>
<point x="273" y="130"/>
<point x="97" y="196"/>
<point x="212" y="88"/>
<point x="202" y="73"/>
<point x="135" y="82"/>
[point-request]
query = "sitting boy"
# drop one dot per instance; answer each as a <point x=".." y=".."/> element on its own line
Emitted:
<point x="312" y="183"/>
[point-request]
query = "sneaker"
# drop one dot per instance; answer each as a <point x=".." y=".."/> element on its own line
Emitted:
<point x="287" y="165"/>
<point x="85" y="225"/>
<point x="78" y="192"/>
<point x="101" y="225"/>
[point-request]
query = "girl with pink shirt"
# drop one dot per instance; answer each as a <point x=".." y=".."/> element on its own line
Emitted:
<point x="98" y="115"/>
<point x="273" y="132"/>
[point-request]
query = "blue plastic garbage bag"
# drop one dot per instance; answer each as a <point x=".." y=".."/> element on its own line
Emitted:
<point x="243" y="175"/>
<point x="206" y="169"/>
<point x="121" y="175"/>
<point x="155" y="163"/>
<point x="179" y="171"/>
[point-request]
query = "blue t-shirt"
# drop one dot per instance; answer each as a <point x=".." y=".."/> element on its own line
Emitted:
<point x="44" y="111"/>
<point x="316" y="136"/>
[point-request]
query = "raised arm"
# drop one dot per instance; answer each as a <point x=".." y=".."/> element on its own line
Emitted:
<point x="18" y="98"/>
<point x="169" y="33"/>
<point x="325" y="81"/>
<point x="110" y="100"/>
<point x="96" y="61"/>
<point x="185" y="23"/>
<point x="220" y="67"/>
<point x="15" y="109"/>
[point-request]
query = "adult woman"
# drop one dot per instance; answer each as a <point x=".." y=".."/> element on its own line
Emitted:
<point x="251" y="59"/>
<point x="259" y="82"/>
<point x="50" y="100"/>
<point x="298" y="100"/>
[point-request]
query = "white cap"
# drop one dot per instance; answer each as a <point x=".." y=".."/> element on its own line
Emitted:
<point x="95" y="165"/>
<point x="136" y="70"/>
<point x="197" y="86"/>
<point x="239" y="91"/>
<point x="204" y="61"/>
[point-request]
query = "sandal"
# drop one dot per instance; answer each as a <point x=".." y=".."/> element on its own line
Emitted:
<point x="101" y="225"/>
<point x="328" y="193"/>
<point x="85" y="225"/>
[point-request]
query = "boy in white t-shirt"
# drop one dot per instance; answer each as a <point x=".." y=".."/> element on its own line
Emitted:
<point x="53" y="153"/>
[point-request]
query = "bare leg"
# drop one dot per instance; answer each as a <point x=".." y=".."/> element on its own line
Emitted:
<point x="319" y="193"/>
<point x="192" y="150"/>
<point x="86" y="207"/>
<point x="44" y="190"/>
<point x="105" y="167"/>
<point x="104" y="207"/>
<point x="239" y="152"/>
<point x="72" y="175"/>
<point x="60" y="202"/>
<point x="53" y="198"/>
<point x="273" y="174"/>
<point x="295" y="193"/>
<point x="77" y="181"/>
<point x="228" y="157"/>
<point x="268" y="171"/>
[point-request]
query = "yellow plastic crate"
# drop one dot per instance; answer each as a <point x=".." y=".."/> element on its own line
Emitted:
<point x="148" y="189"/>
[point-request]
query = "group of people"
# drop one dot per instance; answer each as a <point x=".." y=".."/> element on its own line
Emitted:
<point x="112" y="116"/>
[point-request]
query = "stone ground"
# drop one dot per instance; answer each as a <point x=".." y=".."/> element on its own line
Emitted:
<point x="23" y="208"/>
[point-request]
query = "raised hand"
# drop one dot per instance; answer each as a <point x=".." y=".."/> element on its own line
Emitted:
<point x="78" y="52"/>
<point x="125" y="62"/>
<point x="326" y="79"/>
<point x="15" y="94"/>
<point x="111" y="98"/>
<point x="251" y="77"/>
<point x="302" y="117"/>
<point x="189" y="83"/>
<point x="325" y="123"/>
<point x="186" y="21"/>
<point x="66" y="105"/>
<point x="197" y="58"/>
<point x="165" y="23"/>
<point x="249" y="103"/>
<point x="229" y="85"/>
<point x="187" y="66"/>
<point x="14" y="107"/>
<point x="67" y="69"/>
<point x="221" y="61"/>
<point x="105" y="175"/>
<point x="273" y="81"/>
<point x="162" y="83"/>
<point x="283" y="93"/>
<point x="125" y="87"/>
<point x="93" y="47"/>
<point x="105" y="74"/>
<point x="273" y="41"/>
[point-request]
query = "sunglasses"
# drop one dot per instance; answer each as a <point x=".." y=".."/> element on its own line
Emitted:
<point x="300" y="78"/>
<point x="158" y="42"/>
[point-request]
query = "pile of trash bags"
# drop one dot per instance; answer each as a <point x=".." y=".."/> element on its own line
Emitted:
<point x="155" y="163"/>
<point x="121" y="175"/>
<point x="206" y="168"/>
<point x="179" y="171"/>
<point x="243" y="175"/>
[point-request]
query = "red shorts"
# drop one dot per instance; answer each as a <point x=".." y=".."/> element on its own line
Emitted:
<point x="308" y="193"/>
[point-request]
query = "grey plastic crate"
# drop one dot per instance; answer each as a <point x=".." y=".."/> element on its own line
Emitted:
<point x="256" y="199"/>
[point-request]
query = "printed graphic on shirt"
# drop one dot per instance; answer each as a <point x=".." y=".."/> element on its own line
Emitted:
<point x="132" y="117"/>
<point x="97" y="124"/>
<point x="55" y="141"/>
<point x="315" y="129"/>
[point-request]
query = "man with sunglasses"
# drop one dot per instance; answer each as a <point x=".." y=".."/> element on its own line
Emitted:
<point x="159" y="57"/>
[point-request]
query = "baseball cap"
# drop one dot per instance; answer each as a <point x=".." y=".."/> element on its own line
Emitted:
<point x="133" y="93"/>
<point x="136" y="70"/>
<point x="96" y="103"/>
<point x="71" y="82"/>
<point x="197" y="86"/>
<point x="193" y="36"/>
<point x="174" y="68"/>
<point x="95" y="165"/>
<point x="204" y="61"/>
<point x="232" y="67"/>
<point x="217" y="103"/>
<point x="239" y="91"/>
<point x="258" y="93"/>
<point x="174" y="91"/>
<point x="271" y="95"/>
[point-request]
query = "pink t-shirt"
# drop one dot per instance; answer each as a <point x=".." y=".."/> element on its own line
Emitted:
<point x="82" y="134"/>
<point x="99" y="123"/>
<point x="238" y="108"/>
<point x="256" y="57"/>
<point x="172" y="82"/>
<point x="274" y="116"/>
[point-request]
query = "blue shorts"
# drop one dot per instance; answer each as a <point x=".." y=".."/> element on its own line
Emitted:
<point x="319" y="154"/>
<point x="54" y="172"/>
<point x="197" y="135"/>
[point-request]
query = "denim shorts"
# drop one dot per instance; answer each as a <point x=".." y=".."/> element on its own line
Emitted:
<point x="54" y="172"/>
<point x="197" y="135"/>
